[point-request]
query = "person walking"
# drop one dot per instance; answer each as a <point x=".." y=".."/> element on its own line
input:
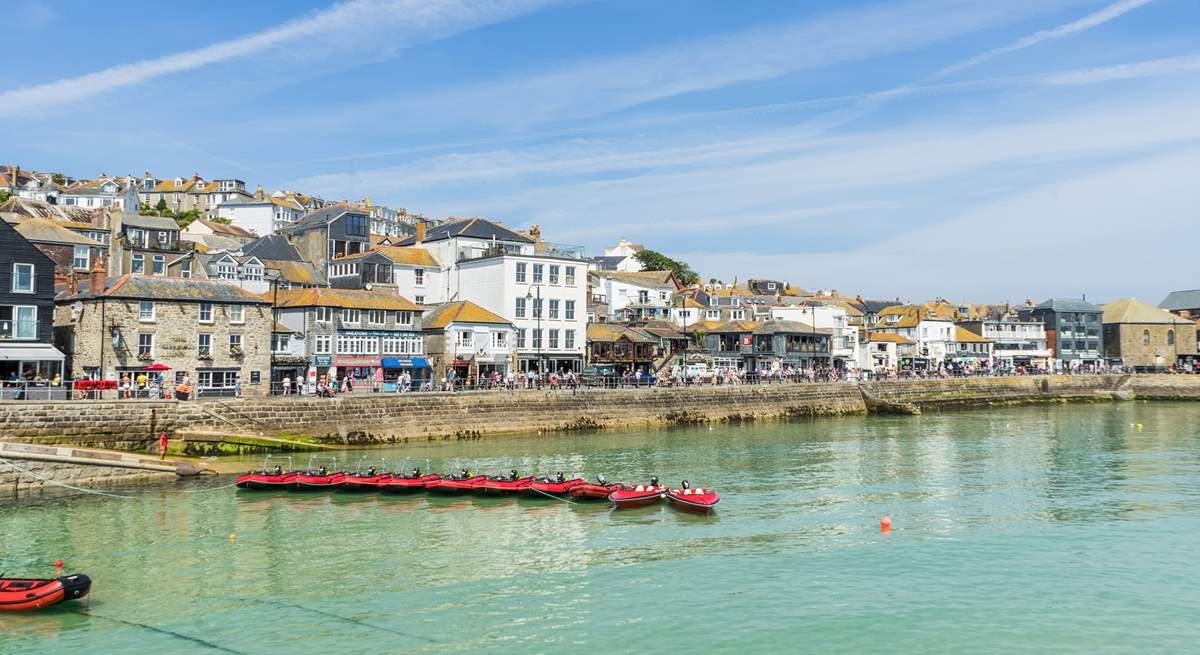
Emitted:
<point x="287" y="384"/>
<point x="162" y="445"/>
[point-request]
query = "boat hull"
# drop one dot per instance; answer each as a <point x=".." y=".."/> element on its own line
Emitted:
<point x="504" y="487"/>
<point x="259" y="481"/>
<point x="365" y="482"/>
<point x="695" y="502"/>
<point x="451" y="486"/>
<point x="543" y="489"/>
<point x="304" y="482"/>
<point x="25" y="595"/>
<point x="589" y="491"/>
<point x="399" y="485"/>
<point x="627" y="498"/>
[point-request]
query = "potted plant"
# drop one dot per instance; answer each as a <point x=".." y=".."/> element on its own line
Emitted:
<point x="145" y="356"/>
<point x="235" y="351"/>
<point x="204" y="354"/>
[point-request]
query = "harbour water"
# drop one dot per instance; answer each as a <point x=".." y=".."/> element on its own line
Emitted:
<point x="1037" y="529"/>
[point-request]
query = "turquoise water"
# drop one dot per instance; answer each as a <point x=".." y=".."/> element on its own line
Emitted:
<point x="1045" y="529"/>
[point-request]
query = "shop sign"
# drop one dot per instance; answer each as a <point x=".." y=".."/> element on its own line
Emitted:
<point x="356" y="361"/>
<point x="323" y="360"/>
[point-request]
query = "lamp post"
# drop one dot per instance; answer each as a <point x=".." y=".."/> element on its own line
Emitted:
<point x="537" y="308"/>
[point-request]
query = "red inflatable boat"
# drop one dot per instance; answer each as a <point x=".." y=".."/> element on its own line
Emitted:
<point x="456" y="484"/>
<point x="600" y="490"/>
<point x="508" y="484"/>
<point x="368" y="480"/>
<point x="319" y="479"/>
<point x="559" y="486"/>
<point x="408" y="483"/>
<point x="268" y="477"/>
<point x="266" y="480"/>
<point x="638" y="496"/>
<point x="20" y="595"/>
<point x="695" y="500"/>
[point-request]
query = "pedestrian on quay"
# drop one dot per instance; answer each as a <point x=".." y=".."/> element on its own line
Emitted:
<point x="123" y="392"/>
<point x="162" y="445"/>
<point x="237" y="386"/>
<point x="287" y="384"/>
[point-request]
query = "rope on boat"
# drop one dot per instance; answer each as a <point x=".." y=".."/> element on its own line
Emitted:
<point x="569" y="502"/>
<point x="43" y="478"/>
<point x="195" y="640"/>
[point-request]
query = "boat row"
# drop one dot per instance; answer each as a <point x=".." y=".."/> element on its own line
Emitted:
<point x="325" y="476"/>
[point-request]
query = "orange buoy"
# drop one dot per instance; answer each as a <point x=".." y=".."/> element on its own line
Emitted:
<point x="58" y="564"/>
<point x="885" y="524"/>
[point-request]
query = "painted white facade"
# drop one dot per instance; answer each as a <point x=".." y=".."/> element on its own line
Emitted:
<point x="256" y="217"/>
<point x="509" y="285"/>
<point x="424" y="285"/>
<point x="622" y="293"/>
<point x="934" y="338"/>
<point x="486" y="343"/>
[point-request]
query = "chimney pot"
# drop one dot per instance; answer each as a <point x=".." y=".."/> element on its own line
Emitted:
<point x="96" y="278"/>
<point x="420" y="233"/>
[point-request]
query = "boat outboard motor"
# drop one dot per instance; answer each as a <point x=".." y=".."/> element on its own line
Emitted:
<point x="602" y="480"/>
<point x="653" y="482"/>
<point x="416" y="472"/>
<point x="560" y="478"/>
<point x="512" y="475"/>
<point x="686" y="485"/>
<point x="371" y="472"/>
<point x="278" y="470"/>
<point x="463" y="473"/>
<point x="322" y="472"/>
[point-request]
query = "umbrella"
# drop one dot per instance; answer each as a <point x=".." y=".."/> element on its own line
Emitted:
<point x="157" y="367"/>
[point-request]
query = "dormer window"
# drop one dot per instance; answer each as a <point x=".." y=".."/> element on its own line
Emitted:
<point x="893" y="318"/>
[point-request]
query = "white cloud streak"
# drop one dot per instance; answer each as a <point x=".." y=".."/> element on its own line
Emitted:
<point x="1115" y="10"/>
<point x="1134" y="70"/>
<point x="387" y="25"/>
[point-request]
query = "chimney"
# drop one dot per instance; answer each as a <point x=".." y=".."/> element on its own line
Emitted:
<point x="96" y="278"/>
<point x="420" y="232"/>
<point x="258" y="193"/>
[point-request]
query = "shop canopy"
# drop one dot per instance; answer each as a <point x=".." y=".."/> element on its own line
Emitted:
<point x="30" y="352"/>
<point x="404" y="362"/>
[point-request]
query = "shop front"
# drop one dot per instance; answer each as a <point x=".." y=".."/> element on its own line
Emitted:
<point x="360" y="369"/>
<point x="289" y="367"/>
<point x="394" y="368"/>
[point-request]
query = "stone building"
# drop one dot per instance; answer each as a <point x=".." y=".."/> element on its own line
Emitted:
<point x="72" y="253"/>
<point x="1145" y="337"/>
<point x="353" y="333"/>
<point x="209" y="330"/>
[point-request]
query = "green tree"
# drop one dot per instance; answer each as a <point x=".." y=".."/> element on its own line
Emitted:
<point x="221" y="219"/>
<point x="4" y="195"/>
<point x="145" y="209"/>
<point x="652" y="260"/>
<point x="161" y="206"/>
<point x="59" y="178"/>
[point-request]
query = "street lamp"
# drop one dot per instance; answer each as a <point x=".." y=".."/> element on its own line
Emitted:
<point x="538" y="315"/>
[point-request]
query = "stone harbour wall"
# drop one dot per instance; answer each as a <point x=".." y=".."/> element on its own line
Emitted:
<point x="371" y="418"/>
<point x="35" y="477"/>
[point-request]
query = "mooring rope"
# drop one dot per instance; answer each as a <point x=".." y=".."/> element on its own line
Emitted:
<point x="162" y="631"/>
<point x="569" y="502"/>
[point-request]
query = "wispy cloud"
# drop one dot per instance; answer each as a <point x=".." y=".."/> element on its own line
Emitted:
<point x="1134" y="70"/>
<point x="1115" y="10"/>
<point x="387" y="25"/>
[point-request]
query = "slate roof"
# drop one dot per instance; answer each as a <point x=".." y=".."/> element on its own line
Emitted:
<point x="608" y="263"/>
<point x="295" y="272"/>
<point x="463" y="311"/>
<point x="273" y="246"/>
<point x="1179" y="300"/>
<point x="347" y="298"/>
<point x="478" y="228"/>
<point x="648" y="279"/>
<point x="168" y="289"/>
<point x="1067" y="305"/>
<point x="40" y="230"/>
<point x="149" y="222"/>
<point x="1132" y="310"/>
<point x="322" y="216"/>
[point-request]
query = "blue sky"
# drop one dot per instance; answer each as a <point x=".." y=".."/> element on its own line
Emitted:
<point x="977" y="150"/>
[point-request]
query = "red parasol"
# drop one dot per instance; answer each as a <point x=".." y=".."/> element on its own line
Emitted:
<point x="157" y="367"/>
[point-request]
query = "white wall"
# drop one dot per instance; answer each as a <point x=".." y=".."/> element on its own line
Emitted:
<point x="255" y="217"/>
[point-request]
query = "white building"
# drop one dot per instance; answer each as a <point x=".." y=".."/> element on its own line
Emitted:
<point x="117" y="193"/>
<point x="264" y="214"/>
<point x="538" y="286"/>
<point x="932" y="331"/>
<point x="468" y="339"/>
<point x="643" y="295"/>
<point x="1014" y="342"/>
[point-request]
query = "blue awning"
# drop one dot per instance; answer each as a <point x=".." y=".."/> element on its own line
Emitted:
<point x="405" y="362"/>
